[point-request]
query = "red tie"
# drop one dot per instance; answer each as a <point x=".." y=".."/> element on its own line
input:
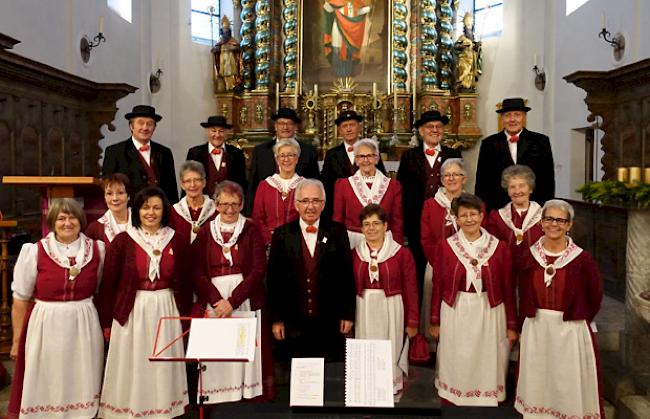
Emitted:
<point x="216" y="151"/>
<point x="350" y="149"/>
<point x="514" y="139"/>
<point x="430" y="152"/>
<point x="311" y="229"/>
<point x="145" y="147"/>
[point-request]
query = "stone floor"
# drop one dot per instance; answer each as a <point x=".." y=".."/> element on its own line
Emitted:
<point x="420" y="392"/>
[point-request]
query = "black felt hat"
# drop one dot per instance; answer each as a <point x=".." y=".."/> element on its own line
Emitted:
<point x="348" y="116"/>
<point x="430" y="116"/>
<point x="513" y="104"/>
<point x="287" y="113"/>
<point x="143" y="111"/>
<point x="216" y="121"/>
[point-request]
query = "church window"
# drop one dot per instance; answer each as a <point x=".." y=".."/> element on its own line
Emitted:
<point x="121" y="7"/>
<point x="573" y="5"/>
<point x="205" y="21"/>
<point x="488" y="18"/>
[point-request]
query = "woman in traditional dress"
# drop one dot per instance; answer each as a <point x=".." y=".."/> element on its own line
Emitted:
<point x="145" y="278"/>
<point x="194" y="209"/>
<point x="368" y="186"/>
<point x="60" y="273"/>
<point x="560" y="292"/>
<point x="273" y="204"/>
<point x="473" y="313"/>
<point x="118" y="216"/>
<point x="517" y="224"/>
<point x="387" y="290"/>
<point x="229" y="278"/>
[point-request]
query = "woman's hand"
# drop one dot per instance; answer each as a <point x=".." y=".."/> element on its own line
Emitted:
<point x="13" y="354"/>
<point x="223" y="308"/>
<point x="107" y="334"/>
<point x="411" y="331"/>
<point x="278" y="330"/>
<point x="513" y="337"/>
<point x="434" y="331"/>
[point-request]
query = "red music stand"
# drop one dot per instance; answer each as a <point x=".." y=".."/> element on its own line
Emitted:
<point x="156" y="355"/>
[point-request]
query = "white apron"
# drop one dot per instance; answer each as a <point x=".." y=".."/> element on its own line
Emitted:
<point x="64" y="357"/>
<point x="232" y="381"/>
<point x="557" y="368"/>
<point x="133" y="385"/>
<point x="472" y="352"/>
<point x="425" y="311"/>
<point x="381" y="317"/>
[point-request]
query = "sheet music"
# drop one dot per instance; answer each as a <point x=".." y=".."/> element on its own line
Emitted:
<point x="307" y="381"/>
<point x="228" y="338"/>
<point x="368" y="373"/>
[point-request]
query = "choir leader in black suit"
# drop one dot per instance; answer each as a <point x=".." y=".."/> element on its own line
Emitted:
<point x="311" y="292"/>
<point x="339" y="161"/>
<point x="514" y="145"/>
<point x="221" y="161"/>
<point x="263" y="165"/>
<point x="419" y="175"/>
<point x="143" y="161"/>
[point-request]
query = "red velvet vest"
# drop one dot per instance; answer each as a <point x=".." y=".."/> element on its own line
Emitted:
<point x="310" y="284"/>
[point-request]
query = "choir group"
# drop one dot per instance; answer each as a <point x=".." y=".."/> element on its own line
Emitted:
<point x="354" y="254"/>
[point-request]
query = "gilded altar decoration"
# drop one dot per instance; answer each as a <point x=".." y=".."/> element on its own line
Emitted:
<point x="243" y="115"/>
<point x="247" y="33"/>
<point x="262" y="44"/>
<point x="429" y="48"/>
<point x="259" y="113"/>
<point x="227" y="59"/>
<point x="469" y="61"/>
<point x="400" y="44"/>
<point x="290" y="44"/>
<point x="446" y="14"/>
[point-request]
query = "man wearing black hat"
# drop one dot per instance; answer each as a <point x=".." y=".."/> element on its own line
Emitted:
<point x="143" y="161"/>
<point x="419" y="175"/>
<point x="514" y="145"/>
<point x="263" y="162"/>
<point x="221" y="161"/>
<point x="339" y="161"/>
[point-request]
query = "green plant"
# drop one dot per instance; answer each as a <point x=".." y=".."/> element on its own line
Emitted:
<point x="613" y="192"/>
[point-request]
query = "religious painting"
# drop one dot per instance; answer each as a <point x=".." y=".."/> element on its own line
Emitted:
<point x="345" y="38"/>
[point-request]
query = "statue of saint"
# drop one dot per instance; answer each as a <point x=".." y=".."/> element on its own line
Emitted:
<point x="227" y="57"/>
<point x="469" y="61"/>
<point x="344" y="29"/>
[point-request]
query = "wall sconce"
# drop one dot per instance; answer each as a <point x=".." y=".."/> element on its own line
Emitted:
<point x="540" y="77"/>
<point x="617" y="42"/>
<point x="85" y="45"/>
<point x="154" y="81"/>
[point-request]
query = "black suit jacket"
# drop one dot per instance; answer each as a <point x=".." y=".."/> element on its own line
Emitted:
<point x="533" y="150"/>
<point x="263" y="164"/>
<point x="412" y="176"/>
<point x="285" y="271"/>
<point x="234" y="158"/>
<point x="335" y="167"/>
<point x="123" y="158"/>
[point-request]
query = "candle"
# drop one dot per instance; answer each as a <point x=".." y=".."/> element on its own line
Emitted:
<point x="622" y="174"/>
<point x="534" y="60"/>
<point x="277" y="96"/>
<point x="101" y="24"/>
<point x="635" y="174"/>
<point x="374" y="93"/>
<point x="604" y="21"/>
<point x="646" y="175"/>
<point x="315" y="93"/>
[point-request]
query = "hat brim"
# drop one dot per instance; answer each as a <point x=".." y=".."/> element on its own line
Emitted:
<point x="132" y="115"/>
<point x="514" y="108"/>
<point x="339" y="121"/>
<point x="208" y="125"/>
<point x="444" y="119"/>
<point x="295" y="119"/>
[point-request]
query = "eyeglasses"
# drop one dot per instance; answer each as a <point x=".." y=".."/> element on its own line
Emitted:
<point x="453" y="175"/>
<point x="193" y="180"/>
<point x="231" y="205"/>
<point x="468" y="215"/>
<point x="558" y="221"/>
<point x="365" y="156"/>
<point x="288" y="156"/>
<point x="369" y="224"/>
<point x="285" y="124"/>
<point x="306" y="202"/>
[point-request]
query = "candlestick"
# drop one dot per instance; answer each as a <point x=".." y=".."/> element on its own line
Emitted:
<point x="622" y="174"/>
<point x="101" y="24"/>
<point x="395" y="101"/>
<point x="635" y="174"/>
<point x="277" y="96"/>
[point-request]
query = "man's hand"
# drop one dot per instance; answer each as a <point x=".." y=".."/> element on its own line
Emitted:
<point x="513" y="337"/>
<point x="411" y="331"/>
<point x="278" y="330"/>
<point x="346" y="326"/>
